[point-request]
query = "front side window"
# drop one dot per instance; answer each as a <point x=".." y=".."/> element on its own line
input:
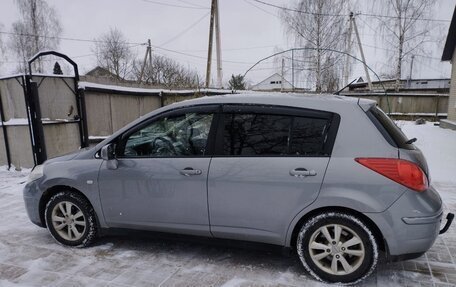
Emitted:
<point x="252" y="134"/>
<point x="180" y="136"/>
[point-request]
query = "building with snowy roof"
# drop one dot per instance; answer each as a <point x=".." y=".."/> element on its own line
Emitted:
<point x="449" y="55"/>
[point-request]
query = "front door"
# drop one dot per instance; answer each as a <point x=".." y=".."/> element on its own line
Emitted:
<point x="160" y="181"/>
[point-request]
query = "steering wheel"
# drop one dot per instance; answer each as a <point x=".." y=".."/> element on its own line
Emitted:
<point x="130" y="151"/>
<point x="168" y="143"/>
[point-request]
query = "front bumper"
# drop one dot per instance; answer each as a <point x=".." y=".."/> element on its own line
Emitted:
<point x="32" y="197"/>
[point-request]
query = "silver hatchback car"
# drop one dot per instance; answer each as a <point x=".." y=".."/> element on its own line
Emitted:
<point x="329" y="176"/>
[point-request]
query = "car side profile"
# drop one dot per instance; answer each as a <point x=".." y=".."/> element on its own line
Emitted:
<point x="329" y="176"/>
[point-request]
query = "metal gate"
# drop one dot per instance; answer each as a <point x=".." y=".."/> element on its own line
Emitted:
<point x="55" y="110"/>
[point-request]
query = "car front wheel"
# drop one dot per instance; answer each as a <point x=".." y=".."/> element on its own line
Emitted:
<point x="71" y="219"/>
<point x="337" y="248"/>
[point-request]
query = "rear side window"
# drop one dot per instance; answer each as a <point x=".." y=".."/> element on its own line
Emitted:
<point x="251" y="134"/>
<point x="390" y="131"/>
<point x="256" y="134"/>
<point x="308" y="136"/>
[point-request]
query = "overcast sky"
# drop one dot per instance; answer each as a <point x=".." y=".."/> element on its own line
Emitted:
<point x="249" y="32"/>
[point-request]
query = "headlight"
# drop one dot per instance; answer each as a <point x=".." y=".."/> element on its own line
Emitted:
<point x="36" y="173"/>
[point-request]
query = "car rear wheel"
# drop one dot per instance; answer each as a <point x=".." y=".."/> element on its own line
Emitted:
<point x="71" y="219"/>
<point x="337" y="247"/>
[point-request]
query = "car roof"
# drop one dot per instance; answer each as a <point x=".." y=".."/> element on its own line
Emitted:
<point x="327" y="102"/>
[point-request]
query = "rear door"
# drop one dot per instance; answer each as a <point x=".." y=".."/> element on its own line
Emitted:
<point x="269" y="164"/>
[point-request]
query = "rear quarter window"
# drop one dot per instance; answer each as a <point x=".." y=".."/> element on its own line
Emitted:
<point x="390" y="131"/>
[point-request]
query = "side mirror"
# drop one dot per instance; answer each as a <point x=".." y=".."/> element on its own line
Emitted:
<point x="107" y="152"/>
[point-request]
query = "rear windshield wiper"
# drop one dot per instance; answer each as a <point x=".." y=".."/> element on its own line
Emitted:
<point x="410" y="141"/>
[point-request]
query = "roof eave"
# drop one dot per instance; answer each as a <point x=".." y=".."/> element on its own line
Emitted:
<point x="450" y="43"/>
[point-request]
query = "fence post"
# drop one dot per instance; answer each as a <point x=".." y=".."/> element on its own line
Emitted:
<point x="5" y="134"/>
<point x="39" y="146"/>
<point x="84" y="133"/>
<point x="437" y="108"/>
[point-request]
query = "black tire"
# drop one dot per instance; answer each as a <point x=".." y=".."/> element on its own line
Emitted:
<point x="350" y="227"/>
<point x="84" y="231"/>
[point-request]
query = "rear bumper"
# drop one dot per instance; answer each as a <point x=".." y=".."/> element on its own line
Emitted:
<point x="411" y="225"/>
<point x="422" y="220"/>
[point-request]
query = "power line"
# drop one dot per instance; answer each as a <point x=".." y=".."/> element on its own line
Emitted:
<point x="185" y="30"/>
<point x="174" y="5"/>
<point x="230" y="49"/>
<point x="63" y="38"/>
<point x="193" y="4"/>
<point x="259" y="8"/>
<point x="72" y="57"/>
<point x="346" y="15"/>
<point x="408" y="18"/>
<point x="130" y="43"/>
<point x="299" y="11"/>
<point x="391" y="50"/>
<point x="196" y="56"/>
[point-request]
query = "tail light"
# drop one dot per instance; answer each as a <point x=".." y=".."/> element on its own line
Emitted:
<point x="401" y="171"/>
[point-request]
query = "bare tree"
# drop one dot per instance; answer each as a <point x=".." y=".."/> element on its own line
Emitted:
<point x="407" y="28"/>
<point x="114" y="53"/>
<point x="168" y="73"/>
<point x="37" y="29"/>
<point x="320" y="26"/>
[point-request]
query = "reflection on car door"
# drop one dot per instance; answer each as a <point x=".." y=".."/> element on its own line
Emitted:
<point x="160" y="182"/>
<point x="269" y="166"/>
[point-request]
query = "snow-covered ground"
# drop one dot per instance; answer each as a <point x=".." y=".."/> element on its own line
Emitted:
<point x="30" y="257"/>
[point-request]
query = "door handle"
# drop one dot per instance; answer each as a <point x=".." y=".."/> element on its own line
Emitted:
<point x="302" y="172"/>
<point x="188" y="171"/>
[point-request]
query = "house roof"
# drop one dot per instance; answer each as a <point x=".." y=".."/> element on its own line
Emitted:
<point x="270" y="77"/>
<point x="97" y="71"/>
<point x="450" y="43"/>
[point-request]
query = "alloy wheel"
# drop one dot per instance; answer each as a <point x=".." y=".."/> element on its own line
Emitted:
<point x="336" y="249"/>
<point x="68" y="220"/>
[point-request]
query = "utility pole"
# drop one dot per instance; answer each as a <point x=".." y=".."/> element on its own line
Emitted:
<point x="218" y="45"/>
<point x="150" y="53"/>
<point x="361" y="51"/>
<point x="214" y="22"/>
<point x="292" y="70"/>
<point x="209" y="50"/>
<point x="147" y="55"/>
<point x="281" y="81"/>
<point x="411" y="70"/>
<point x="348" y="49"/>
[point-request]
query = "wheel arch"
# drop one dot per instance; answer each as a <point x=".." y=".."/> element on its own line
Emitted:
<point x="54" y="190"/>
<point x="365" y="219"/>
